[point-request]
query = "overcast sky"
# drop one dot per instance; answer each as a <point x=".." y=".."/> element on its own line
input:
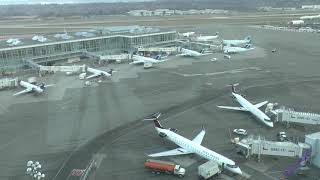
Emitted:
<point x="5" y="2"/>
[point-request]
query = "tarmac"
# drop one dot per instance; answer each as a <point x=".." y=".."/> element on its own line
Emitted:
<point x="70" y="124"/>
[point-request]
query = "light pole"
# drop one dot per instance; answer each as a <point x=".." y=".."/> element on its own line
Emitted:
<point x="34" y="170"/>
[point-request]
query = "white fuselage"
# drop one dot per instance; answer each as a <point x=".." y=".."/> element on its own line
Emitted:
<point x="254" y="110"/>
<point x="235" y="42"/>
<point x="200" y="150"/>
<point x="143" y="59"/>
<point x="31" y="86"/>
<point x="233" y="50"/>
<point x="96" y="71"/>
<point x="188" y="52"/>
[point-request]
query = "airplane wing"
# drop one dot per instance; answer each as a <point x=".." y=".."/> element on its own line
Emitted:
<point x="173" y="152"/>
<point x="261" y="104"/>
<point x="233" y="108"/>
<point x="23" y="92"/>
<point x="137" y="62"/>
<point x="198" y="139"/>
<point x="91" y="76"/>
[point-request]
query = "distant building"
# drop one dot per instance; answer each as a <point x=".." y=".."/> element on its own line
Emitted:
<point x="170" y="12"/>
<point x="314" y="141"/>
<point x="140" y="13"/>
<point x="310" y="7"/>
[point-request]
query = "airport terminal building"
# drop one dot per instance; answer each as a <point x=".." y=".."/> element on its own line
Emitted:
<point x="12" y="58"/>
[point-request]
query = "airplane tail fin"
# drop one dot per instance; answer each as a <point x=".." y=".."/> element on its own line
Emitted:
<point x="233" y="86"/>
<point x="154" y="117"/>
<point x="248" y="38"/>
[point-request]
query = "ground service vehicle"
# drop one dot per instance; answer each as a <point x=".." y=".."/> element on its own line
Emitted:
<point x="158" y="167"/>
<point x="208" y="169"/>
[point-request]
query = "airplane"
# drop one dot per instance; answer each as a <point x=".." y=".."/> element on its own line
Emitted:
<point x="234" y="50"/>
<point x="192" y="53"/>
<point x="142" y="60"/>
<point x="187" y="146"/>
<point x="13" y="42"/>
<point x="97" y="73"/>
<point x="32" y="88"/>
<point x="207" y="38"/>
<point x="247" y="106"/>
<point x="247" y="40"/>
<point x="188" y="34"/>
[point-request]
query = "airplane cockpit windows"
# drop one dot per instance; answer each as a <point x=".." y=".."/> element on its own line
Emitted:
<point x="162" y="134"/>
<point x="232" y="166"/>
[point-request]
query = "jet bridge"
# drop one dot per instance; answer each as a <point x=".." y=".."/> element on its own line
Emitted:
<point x="8" y="83"/>
<point x="159" y="49"/>
<point x="118" y="57"/>
<point x="259" y="146"/>
<point x="70" y="69"/>
<point x="287" y="115"/>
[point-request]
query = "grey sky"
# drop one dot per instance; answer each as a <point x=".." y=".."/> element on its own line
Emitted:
<point x="4" y="2"/>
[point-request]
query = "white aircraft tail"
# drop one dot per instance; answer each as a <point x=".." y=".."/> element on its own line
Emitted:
<point x="154" y="117"/>
<point x="248" y="38"/>
<point x="233" y="87"/>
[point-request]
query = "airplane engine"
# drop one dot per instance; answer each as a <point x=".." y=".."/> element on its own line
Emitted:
<point x="161" y="134"/>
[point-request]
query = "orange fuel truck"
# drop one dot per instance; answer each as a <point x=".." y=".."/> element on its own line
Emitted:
<point x="159" y="167"/>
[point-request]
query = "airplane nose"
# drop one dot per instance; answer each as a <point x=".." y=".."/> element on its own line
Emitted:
<point x="238" y="171"/>
<point x="270" y="124"/>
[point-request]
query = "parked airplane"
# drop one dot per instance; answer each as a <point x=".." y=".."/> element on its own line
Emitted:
<point x="32" y="88"/>
<point x="142" y="60"/>
<point x="188" y="147"/>
<point x="207" y="38"/>
<point x="247" y="106"/>
<point x="13" y="42"/>
<point x="188" y="34"/>
<point x="192" y="53"/>
<point x="234" y="50"/>
<point x="97" y="73"/>
<point x="245" y="41"/>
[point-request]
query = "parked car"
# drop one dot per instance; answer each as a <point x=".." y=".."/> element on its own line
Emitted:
<point x="240" y="131"/>
<point x="282" y="136"/>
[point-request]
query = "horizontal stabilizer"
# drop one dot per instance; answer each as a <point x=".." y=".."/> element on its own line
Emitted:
<point x="153" y="116"/>
<point x="233" y="108"/>
<point x="261" y="104"/>
<point x="49" y="85"/>
<point x="173" y="152"/>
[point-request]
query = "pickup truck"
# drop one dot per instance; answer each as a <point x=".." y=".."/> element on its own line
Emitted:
<point x="159" y="167"/>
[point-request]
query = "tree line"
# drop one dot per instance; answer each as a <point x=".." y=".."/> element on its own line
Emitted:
<point x="90" y="9"/>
